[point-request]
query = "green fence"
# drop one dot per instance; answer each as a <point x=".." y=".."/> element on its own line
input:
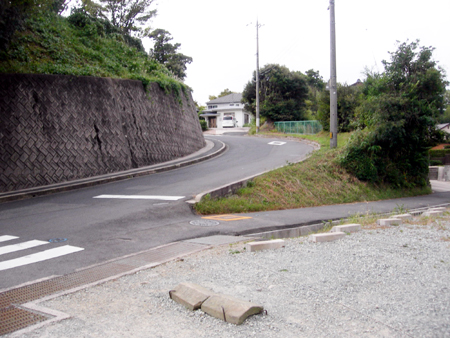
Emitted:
<point x="299" y="127"/>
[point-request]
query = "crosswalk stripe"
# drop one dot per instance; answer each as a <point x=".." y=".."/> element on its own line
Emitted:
<point x="142" y="197"/>
<point x="21" y="246"/>
<point x="38" y="257"/>
<point x="5" y="238"/>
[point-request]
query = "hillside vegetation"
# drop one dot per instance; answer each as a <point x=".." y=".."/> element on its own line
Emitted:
<point x="319" y="180"/>
<point x="81" y="45"/>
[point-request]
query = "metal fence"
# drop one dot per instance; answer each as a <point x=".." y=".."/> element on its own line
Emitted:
<point x="299" y="127"/>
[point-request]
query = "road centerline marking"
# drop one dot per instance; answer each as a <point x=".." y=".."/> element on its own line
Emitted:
<point x="142" y="197"/>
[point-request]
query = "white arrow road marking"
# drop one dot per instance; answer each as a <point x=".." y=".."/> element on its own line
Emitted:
<point x="276" y="143"/>
<point x="38" y="257"/>
<point x="21" y="246"/>
<point x="142" y="197"/>
<point x="5" y="238"/>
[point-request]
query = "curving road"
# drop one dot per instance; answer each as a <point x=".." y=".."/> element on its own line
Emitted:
<point x="98" y="229"/>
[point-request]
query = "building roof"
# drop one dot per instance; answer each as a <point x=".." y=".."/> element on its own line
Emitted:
<point x="231" y="98"/>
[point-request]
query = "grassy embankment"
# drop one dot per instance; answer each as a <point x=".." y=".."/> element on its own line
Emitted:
<point x="317" y="181"/>
<point x="81" y="46"/>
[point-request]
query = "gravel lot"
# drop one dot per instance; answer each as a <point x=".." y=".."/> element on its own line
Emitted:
<point x="380" y="282"/>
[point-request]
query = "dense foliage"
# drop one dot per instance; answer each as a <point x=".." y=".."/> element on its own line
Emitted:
<point x="82" y="45"/>
<point x="397" y="119"/>
<point x="282" y="94"/>
<point x="348" y="102"/>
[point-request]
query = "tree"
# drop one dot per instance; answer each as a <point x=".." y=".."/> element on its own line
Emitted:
<point x="397" y="119"/>
<point x="316" y="87"/>
<point x="223" y="93"/>
<point x="282" y="94"/>
<point x="315" y="80"/>
<point x="130" y="16"/>
<point x="166" y="53"/>
<point x="348" y="102"/>
<point x="445" y="116"/>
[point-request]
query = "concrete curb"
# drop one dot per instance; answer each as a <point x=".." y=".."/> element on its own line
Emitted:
<point x="118" y="176"/>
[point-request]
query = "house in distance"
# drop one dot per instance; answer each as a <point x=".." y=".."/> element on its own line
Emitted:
<point x="226" y="106"/>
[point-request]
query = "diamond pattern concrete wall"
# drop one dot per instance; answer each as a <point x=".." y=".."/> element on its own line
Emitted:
<point x="60" y="128"/>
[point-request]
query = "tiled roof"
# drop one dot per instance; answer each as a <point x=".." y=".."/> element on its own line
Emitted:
<point x="231" y="98"/>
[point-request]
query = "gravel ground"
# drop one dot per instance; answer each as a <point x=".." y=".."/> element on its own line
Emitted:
<point x="380" y="282"/>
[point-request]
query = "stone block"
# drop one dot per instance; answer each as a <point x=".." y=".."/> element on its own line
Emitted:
<point x="389" y="221"/>
<point x="190" y="295"/>
<point x="438" y="209"/>
<point x="404" y="217"/>
<point x="432" y="213"/>
<point x="326" y="237"/>
<point x="230" y="309"/>
<point x="264" y="245"/>
<point x="346" y="228"/>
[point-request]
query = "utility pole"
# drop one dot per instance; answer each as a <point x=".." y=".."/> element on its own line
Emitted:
<point x="257" y="77"/>
<point x="333" y="81"/>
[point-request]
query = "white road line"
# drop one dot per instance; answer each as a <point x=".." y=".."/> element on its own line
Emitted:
<point x="21" y="246"/>
<point x="5" y="238"/>
<point x="276" y="143"/>
<point x="38" y="257"/>
<point x="142" y="197"/>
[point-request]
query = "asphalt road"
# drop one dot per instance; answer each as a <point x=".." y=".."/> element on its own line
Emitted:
<point x="100" y="229"/>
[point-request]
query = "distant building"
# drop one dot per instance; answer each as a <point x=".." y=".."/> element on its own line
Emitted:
<point x="229" y="105"/>
<point x="444" y="127"/>
<point x="357" y="83"/>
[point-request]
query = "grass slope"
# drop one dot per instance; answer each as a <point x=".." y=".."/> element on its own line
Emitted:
<point x="52" y="44"/>
<point x="314" y="182"/>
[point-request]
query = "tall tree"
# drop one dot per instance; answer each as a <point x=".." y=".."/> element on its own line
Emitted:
<point x="166" y="53"/>
<point x="130" y="16"/>
<point x="282" y="93"/>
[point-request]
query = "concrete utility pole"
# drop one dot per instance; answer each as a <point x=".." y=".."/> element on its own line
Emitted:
<point x="333" y="81"/>
<point x="257" y="77"/>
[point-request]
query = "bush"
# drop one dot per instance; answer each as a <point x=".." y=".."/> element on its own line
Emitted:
<point x="204" y="125"/>
<point x="438" y="152"/>
<point x="398" y="115"/>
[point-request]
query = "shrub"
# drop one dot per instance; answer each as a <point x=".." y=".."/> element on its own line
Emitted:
<point x="204" y="125"/>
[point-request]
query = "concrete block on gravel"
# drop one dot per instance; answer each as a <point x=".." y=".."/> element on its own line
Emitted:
<point x="404" y="217"/>
<point x="346" y="228"/>
<point x="230" y="309"/>
<point x="326" y="237"/>
<point x="264" y="245"/>
<point x="432" y="213"/>
<point x="190" y="295"/>
<point x="389" y="221"/>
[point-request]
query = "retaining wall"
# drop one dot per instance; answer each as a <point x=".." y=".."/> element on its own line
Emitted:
<point x="60" y="128"/>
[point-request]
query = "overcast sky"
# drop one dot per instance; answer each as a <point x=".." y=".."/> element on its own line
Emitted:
<point x="220" y="36"/>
